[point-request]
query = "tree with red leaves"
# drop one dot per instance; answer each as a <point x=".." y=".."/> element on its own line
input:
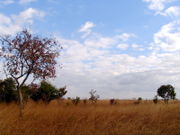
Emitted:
<point x="26" y="55"/>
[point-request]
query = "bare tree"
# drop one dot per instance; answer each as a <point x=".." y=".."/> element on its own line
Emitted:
<point x="93" y="96"/>
<point x="25" y="54"/>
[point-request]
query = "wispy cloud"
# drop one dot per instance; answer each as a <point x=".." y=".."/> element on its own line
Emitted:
<point x="26" y="1"/>
<point x="86" y="28"/>
<point x="13" y="23"/>
<point x="157" y="5"/>
<point x="173" y="11"/>
<point x="7" y="2"/>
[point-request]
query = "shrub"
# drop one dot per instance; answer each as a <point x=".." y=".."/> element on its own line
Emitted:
<point x="155" y="100"/>
<point x="85" y="101"/>
<point x="76" y="100"/>
<point x="8" y="91"/>
<point x="112" y="101"/>
<point x="47" y="92"/>
<point x="139" y="100"/>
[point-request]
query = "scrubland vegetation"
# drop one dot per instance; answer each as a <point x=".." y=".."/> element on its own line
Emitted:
<point x="62" y="117"/>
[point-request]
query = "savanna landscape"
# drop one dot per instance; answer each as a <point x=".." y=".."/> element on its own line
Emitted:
<point x="86" y="67"/>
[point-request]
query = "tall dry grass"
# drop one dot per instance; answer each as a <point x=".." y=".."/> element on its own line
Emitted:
<point x="63" y="118"/>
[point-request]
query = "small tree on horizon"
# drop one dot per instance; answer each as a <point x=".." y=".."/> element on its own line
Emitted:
<point x="25" y="54"/>
<point x="166" y="92"/>
<point x="93" y="96"/>
<point x="155" y="99"/>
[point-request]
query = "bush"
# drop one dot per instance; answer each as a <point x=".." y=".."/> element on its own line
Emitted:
<point x="139" y="100"/>
<point x="8" y="91"/>
<point x="112" y="101"/>
<point x="47" y="92"/>
<point x="76" y="100"/>
<point x="155" y="100"/>
<point x="85" y="101"/>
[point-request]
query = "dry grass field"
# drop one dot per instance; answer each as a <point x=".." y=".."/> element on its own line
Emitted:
<point x="63" y="118"/>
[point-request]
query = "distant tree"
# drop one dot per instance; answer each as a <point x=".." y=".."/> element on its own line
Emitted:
<point x="93" y="96"/>
<point x="8" y="90"/>
<point x="166" y="92"/>
<point x="25" y="54"/>
<point x="139" y="99"/>
<point x="47" y="92"/>
<point x="155" y="100"/>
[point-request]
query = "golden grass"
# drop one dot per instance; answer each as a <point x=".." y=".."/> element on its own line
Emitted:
<point x="64" y="118"/>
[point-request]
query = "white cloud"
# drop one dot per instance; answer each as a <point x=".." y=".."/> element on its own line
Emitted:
<point x="87" y="67"/>
<point x="125" y="36"/>
<point x="160" y="7"/>
<point x="6" y="2"/>
<point x="137" y="47"/>
<point x="123" y="46"/>
<point x="167" y="39"/>
<point x="26" y="1"/>
<point x="157" y="5"/>
<point x="173" y="11"/>
<point x="14" y="23"/>
<point x="113" y="75"/>
<point x="7" y="26"/>
<point x="99" y="41"/>
<point x="86" y="28"/>
<point x="28" y="15"/>
<point x="91" y="64"/>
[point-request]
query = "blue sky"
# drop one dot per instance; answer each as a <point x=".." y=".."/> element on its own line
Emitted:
<point x="111" y="46"/>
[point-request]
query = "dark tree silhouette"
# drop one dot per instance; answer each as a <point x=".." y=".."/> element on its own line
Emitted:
<point x="93" y="96"/>
<point x="155" y="99"/>
<point x="8" y="90"/>
<point x="47" y="92"/>
<point x="166" y="92"/>
<point x="26" y="54"/>
<point x="62" y="91"/>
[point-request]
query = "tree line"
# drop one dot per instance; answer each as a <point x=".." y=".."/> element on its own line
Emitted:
<point x="44" y="91"/>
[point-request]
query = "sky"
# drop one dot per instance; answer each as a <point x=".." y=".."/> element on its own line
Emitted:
<point x="122" y="48"/>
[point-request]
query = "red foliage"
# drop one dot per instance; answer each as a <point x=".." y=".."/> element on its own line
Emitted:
<point x="27" y="54"/>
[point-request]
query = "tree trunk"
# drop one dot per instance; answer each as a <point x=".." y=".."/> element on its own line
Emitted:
<point x="21" y="105"/>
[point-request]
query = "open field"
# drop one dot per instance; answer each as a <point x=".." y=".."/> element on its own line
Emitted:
<point x="64" y="118"/>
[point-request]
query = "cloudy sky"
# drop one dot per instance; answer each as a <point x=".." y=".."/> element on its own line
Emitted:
<point x="121" y="48"/>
